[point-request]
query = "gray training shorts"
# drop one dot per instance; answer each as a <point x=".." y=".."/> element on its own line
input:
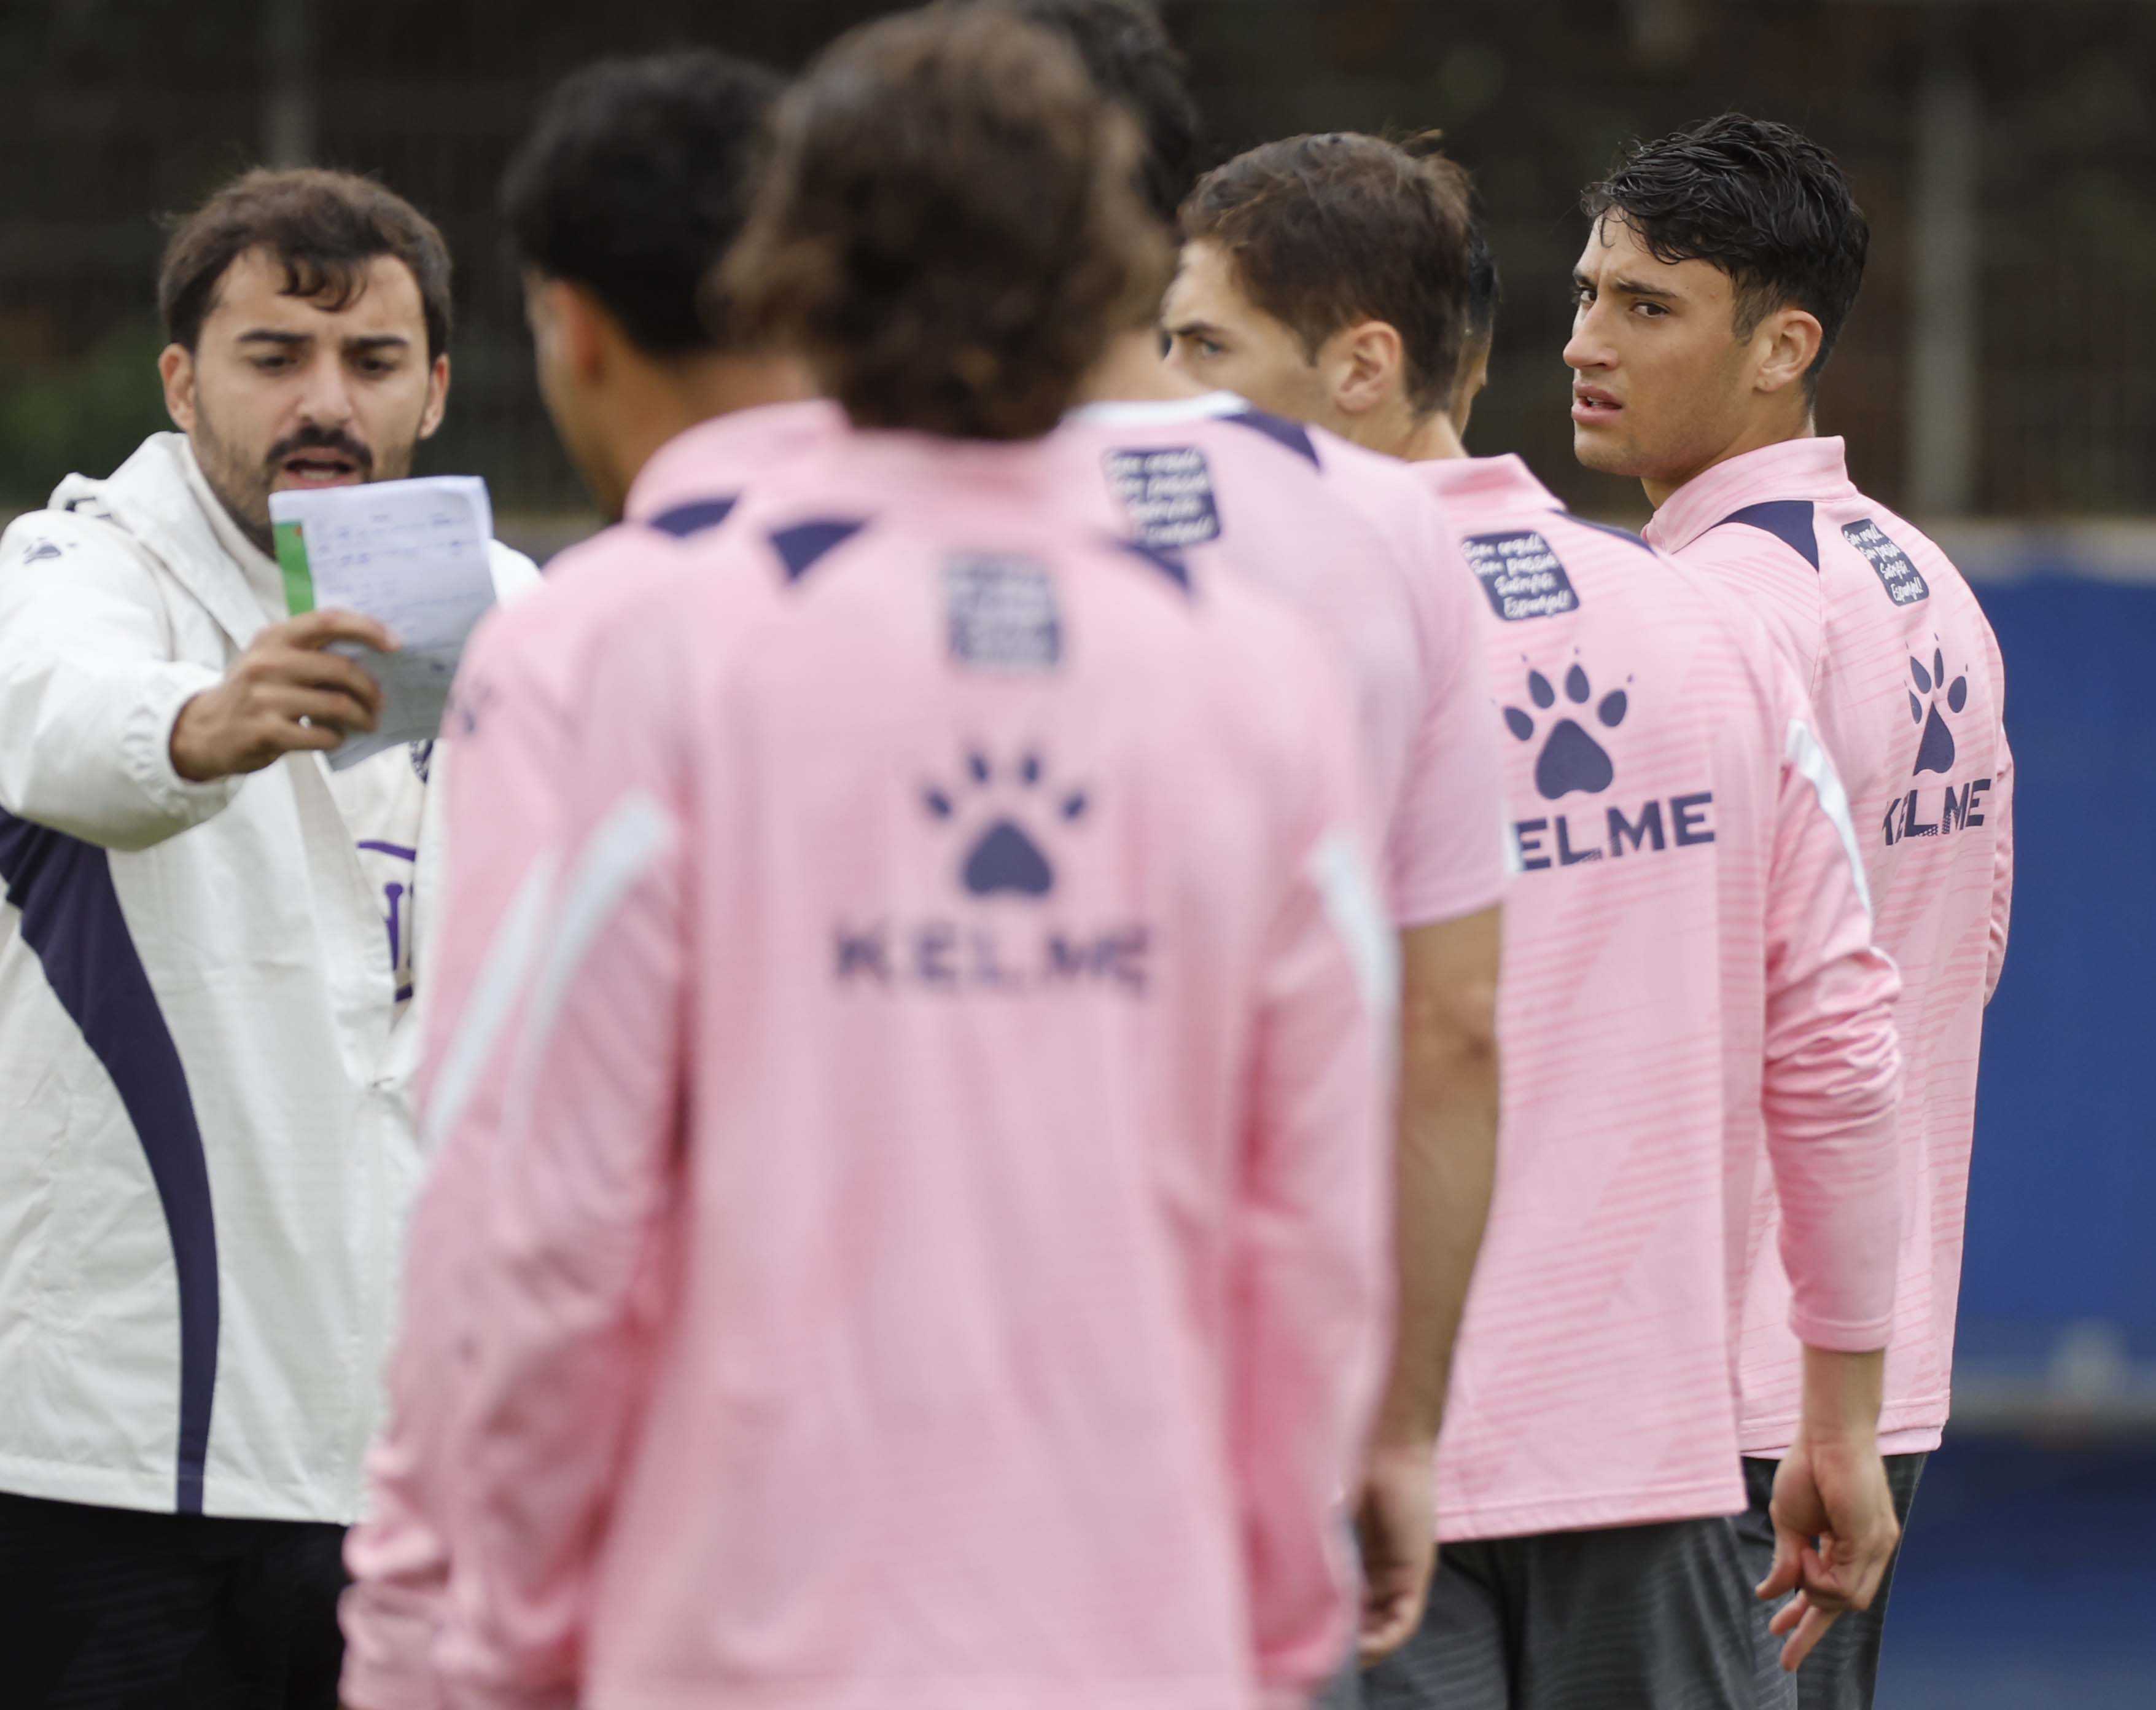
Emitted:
<point x="1622" y="1618"/>
<point x="1842" y="1673"/>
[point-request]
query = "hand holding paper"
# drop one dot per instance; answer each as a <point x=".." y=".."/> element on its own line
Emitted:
<point x="411" y="555"/>
<point x="286" y="694"/>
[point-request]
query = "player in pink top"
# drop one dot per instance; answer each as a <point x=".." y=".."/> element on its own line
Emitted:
<point x="1690" y="997"/>
<point x="1723" y="262"/>
<point x="1351" y="540"/>
<point x="668" y="424"/>
<point x="934" y="1253"/>
<point x="1346" y="537"/>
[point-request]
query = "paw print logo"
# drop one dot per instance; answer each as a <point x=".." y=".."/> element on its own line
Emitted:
<point x="1935" y="748"/>
<point x="1571" y="759"/>
<point x="1003" y="856"/>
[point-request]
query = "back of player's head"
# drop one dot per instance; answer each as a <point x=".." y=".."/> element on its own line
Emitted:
<point x="950" y="230"/>
<point x="1484" y="289"/>
<point x="323" y="228"/>
<point x="636" y="180"/>
<point x="1325" y="232"/>
<point x="1134" y="61"/>
<point x="1763" y="202"/>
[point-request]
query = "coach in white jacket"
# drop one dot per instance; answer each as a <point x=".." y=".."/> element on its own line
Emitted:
<point x="206" y="963"/>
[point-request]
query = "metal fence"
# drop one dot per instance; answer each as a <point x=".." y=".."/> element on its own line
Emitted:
<point x="2002" y="359"/>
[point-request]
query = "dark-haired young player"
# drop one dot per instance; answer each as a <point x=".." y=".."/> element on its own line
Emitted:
<point x="1721" y="265"/>
<point x="632" y="184"/>
<point x="1367" y="559"/>
<point x="1688" y="979"/>
<point x="941" y="1260"/>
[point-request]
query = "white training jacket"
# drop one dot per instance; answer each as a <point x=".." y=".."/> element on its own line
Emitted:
<point x="207" y="1146"/>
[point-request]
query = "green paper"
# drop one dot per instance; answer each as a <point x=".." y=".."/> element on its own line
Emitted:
<point x="292" y="559"/>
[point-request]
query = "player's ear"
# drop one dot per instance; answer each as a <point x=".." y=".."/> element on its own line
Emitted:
<point x="567" y="325"/>
<point x="1368" y="366"/>
<point x="1784" y="347"/>
<point x="438" y="396"/>
<point x="589" y="331"/>
<point x="176" y="367"/>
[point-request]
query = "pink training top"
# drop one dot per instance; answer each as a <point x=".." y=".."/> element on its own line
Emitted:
<point x="1352" y="541"/>
<point x="963" y="1011"/>
<point x="1688" y="985"/>
<point x="1905" y="675"/>
<point x="525" y="669"/>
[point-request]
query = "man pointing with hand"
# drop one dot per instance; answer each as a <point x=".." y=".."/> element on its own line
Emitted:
<point x="207" y="962"/>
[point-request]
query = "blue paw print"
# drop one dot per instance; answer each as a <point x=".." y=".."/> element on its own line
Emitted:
<point x="1004" y="856"/>
<point x="1571" y="759"/>
<point x="1935" y="748"/>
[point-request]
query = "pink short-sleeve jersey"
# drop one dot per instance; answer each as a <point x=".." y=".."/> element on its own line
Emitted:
<point x="1689" y="991"/>
<point x="934" y="1252"/>
<point x="524" y="669"/>
<point x="1354" y="543"/>
<point x="1905" y="675"/>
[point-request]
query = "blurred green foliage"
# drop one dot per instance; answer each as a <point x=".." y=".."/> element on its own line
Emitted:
<point x="114" y="112"/>
<point x="84" y="416"/>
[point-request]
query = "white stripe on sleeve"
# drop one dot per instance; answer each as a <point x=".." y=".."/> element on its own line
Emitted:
<point x="635" y="834"/>
<point x="1803" y="751"/>
<point x="493" y="996"/>
<point x="1358" y="915"/>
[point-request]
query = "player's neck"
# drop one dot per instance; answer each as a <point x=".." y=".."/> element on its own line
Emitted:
<point x="1393" y="429"/>
<point x="1777" y="428"/>
<point x="1132" y="371"/>
<point x="1431" y="439"/>
<point x="675" y="397"/>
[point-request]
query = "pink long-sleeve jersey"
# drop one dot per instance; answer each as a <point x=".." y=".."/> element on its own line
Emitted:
<point x="1689" y="991"/>
<point x="525" y="669"/>
<point x="1905" y="675"/>
<point x="1354" y="543"/>
<point x="963" y="1015"/>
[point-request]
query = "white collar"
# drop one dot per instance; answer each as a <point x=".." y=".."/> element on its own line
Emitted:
<point x="263" y="575"/>
<point x="150" y="499"/>
<point x="1159" y="412"/>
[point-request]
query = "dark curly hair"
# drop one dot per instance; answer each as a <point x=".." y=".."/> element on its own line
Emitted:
<point x="1134" y="60"/>
<point x="635" y="178"/>
<point x="1325" y="231"/>
<point x="323" y="228"/>
<point x="1763" y="202"/>
<point x="950" y="231"/>
<point x="1485" y="291"/>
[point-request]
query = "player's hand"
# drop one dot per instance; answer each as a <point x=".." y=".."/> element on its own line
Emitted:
<point x="1834" y="1533"/>
<point x="283" y="694"/>
<point x="1396" y="1524"/>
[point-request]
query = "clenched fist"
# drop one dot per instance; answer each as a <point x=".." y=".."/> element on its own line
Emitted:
<point x="284" y="695"/>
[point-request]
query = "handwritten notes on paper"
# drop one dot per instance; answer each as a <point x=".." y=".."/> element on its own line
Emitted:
<point x="411" y="554"/>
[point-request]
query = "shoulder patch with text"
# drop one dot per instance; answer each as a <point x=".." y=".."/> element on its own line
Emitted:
<point x="1168" y="493"/>
<point x="1522" y="574"/>
<point x="1903" y="581"/>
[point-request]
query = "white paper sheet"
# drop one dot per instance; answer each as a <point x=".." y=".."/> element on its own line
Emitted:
<point x="411" y="554"/>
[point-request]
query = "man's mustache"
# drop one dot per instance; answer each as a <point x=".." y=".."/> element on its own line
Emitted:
<point x="321" y="439"/>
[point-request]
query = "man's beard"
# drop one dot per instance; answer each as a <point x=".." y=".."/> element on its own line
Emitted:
<point x="244" y="489"/>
